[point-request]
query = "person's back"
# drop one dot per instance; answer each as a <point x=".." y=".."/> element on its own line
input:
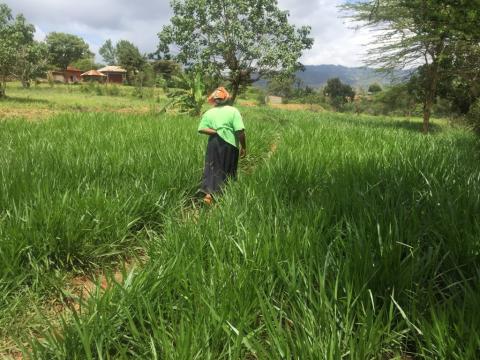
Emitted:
<point x="224" y="126"/>
<point x="226" y="120"/>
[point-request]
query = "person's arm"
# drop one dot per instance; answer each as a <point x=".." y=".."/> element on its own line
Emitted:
<point x="242" y="138"/>
<point x="208" y="131"/>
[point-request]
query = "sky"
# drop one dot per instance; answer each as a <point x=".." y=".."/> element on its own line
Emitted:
<point x="139" y="21"/>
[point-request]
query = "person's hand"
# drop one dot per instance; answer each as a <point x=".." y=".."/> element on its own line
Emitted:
<point x="243" y="152"/>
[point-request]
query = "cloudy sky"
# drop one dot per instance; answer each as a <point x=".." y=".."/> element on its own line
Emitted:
<point x="140" y="20"/>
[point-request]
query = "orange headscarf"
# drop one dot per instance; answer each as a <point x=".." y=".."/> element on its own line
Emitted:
<point x="219" y="94"/>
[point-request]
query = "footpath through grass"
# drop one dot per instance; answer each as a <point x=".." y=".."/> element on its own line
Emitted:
<point x="78" y="193"/>
<point x="358" y="239"/>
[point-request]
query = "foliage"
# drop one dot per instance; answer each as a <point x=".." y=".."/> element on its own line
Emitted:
<point x="17" y="47"/>
<point x="374" y="88"/>
<point x="63" y="49"/>
<point x="108" y="53"/>
<point x="400" y="100"/>
<point x="474" y="116"/>
<point x="248" y="39"/>
<point x="339" y="93"/>
<point x="459" y="82"/>
<point x="283" y="86"/>
<point x="146" y="77"/>
<point x="31" y="62"/>
<point x="411" y="31"/>
<point x="167" y="69"/>
<point x="129" y="57"/>
<point x="86" y="64"/>
<point x="190" y="98"/>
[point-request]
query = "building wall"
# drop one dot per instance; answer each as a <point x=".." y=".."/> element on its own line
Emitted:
<point x="72" y="76"/>
<point x="116" y="78"/>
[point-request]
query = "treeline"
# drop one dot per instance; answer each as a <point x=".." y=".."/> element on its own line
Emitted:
<point x="439" y="38"/>
<point x="456" y="98"/>
<point x="25" y="59"/>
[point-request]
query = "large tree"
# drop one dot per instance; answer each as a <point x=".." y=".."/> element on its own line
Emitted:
<point x="108" y="53"/>
<point x="63" y="49"/>
<point x="129" y="57"/>
<point x="125" y="54"/>
<point x="16" y="35"/>
<point x="31" y="62"/>
<point x="242" y="39"/>
<point x="411" y="33"/>
<point x="338" y="92"/>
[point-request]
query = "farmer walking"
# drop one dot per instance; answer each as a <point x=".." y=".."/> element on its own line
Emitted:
<point x="224" y="126"/>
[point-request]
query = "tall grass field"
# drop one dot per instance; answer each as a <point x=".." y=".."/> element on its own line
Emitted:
<point x="345" y="237"/>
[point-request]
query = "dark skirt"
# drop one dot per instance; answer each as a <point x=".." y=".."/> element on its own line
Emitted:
<point x="221" y="162"/>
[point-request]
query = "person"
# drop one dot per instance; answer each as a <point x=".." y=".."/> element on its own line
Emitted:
<point x="227" y="141"/>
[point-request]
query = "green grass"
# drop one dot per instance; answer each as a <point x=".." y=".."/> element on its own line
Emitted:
<point x="358" y="238"/>
<point x="44" y="101"/>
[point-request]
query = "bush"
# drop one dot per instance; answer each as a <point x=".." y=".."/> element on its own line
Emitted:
<point x="112" y="90"/>
<point x="473" y="116"/>
<point x="261" y="98"/>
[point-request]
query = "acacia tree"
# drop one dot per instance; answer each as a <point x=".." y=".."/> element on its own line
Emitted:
<point x="244" y="40"/>
<point x="412" y="33"/>
<point x="15" y="36"/>
<point x="63" y="49"/>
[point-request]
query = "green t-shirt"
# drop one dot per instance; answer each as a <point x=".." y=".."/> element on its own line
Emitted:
<point x="225" y="120"/>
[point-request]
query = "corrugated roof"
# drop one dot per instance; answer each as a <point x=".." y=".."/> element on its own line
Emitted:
<point x="93" y="73"/>
<point x="112" y="68"/>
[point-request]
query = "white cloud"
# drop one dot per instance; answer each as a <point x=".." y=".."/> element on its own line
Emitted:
<point x="139" y="21"/>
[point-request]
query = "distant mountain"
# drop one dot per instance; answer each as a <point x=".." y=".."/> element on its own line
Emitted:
<point x="358" y="77"/>
<point x="317" y="75"/>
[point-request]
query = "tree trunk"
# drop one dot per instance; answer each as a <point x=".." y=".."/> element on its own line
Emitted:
<point x="427" y="110"/>
<point x="235" y="89"/>
<point x="3" y="86"/>
<point x="430" y="93"/>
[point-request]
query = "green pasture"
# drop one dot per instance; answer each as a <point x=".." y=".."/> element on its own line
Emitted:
<point x="345" y="238"/>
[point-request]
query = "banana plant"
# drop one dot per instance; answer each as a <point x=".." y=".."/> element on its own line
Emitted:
<point x="190" y="96"/>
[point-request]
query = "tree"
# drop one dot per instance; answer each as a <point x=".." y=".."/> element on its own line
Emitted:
<point x="108" y="53"/>
<point x="338" y="92"/>
<point x="15" y="36"/>
<point x="282" y="86"/>
<point x="460" y="81"/>
<point x="87" y="63"/>
<point x="374" y="88"/>
<point x="245" y="40"/>
<point x="167" y="69"/>
<point x="63" y="49"/>
<point x="31" y="62"/>
<point x="412" y="32"/>
<point x="129" y="57"/>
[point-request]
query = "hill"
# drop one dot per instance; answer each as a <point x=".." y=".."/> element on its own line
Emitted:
<point x="317" y="75"/>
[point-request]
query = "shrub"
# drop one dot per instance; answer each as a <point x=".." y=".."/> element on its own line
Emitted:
<point x="473" y="116"/>
<point x="113" y="90"/>
<point x="261" y="98"/>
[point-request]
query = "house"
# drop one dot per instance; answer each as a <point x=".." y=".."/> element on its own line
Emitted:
<point x="115" y="74"/>
<point x="70" y="75"/>
<point x="275" y="100"/>
<point x="94" y="75"/>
